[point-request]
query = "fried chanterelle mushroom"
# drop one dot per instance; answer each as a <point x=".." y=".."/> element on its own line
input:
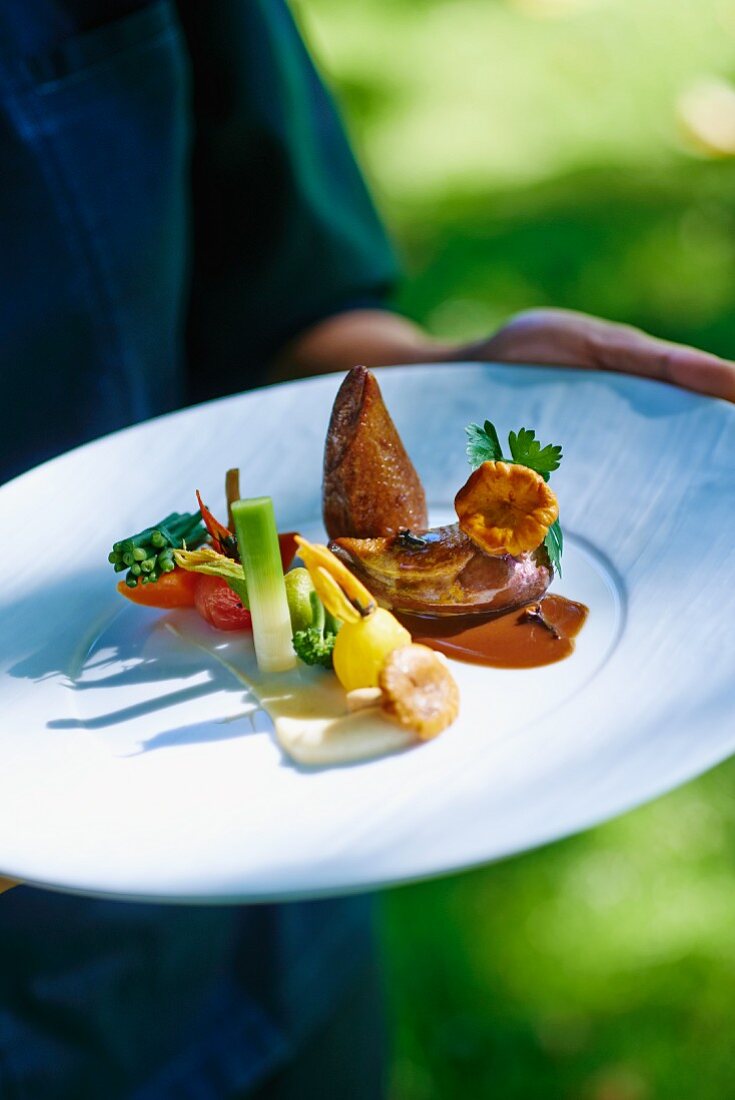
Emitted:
<point x="419" y="691"/>
<point x="506" y="508"/>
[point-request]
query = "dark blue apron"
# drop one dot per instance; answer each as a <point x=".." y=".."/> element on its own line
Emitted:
<point x="104" y="999"/>
<point x="93" y="232"/>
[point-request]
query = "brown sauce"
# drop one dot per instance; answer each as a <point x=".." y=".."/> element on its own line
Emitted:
<point x="517" y="639"/>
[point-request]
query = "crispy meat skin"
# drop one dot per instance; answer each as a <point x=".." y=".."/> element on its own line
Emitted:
<point x="449" y="575"/>
<point x="371" y="491"/>
<point x="370" y="485"/>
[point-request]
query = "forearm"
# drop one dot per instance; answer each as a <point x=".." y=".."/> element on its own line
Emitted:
<point x="555" y="337"/>
<point x="371" y="337"/>
<point x="382" y="338"/>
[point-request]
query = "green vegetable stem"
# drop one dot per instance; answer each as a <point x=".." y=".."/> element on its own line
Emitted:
<point x="260" y="554"/>
<point x="150" y="553"/>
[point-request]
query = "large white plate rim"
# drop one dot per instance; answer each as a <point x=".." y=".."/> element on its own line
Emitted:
<point x="697" y="513"/>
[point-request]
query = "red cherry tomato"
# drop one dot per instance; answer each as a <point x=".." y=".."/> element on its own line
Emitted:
<point x="288" y="548"/>
<point x="218" y="605"/>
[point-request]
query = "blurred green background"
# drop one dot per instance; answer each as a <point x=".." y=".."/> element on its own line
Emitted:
<point x="575" y="153"/>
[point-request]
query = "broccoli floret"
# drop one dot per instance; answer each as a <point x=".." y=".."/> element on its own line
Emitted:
<point x="315" y="643"/>
<point x="314" y="647"/>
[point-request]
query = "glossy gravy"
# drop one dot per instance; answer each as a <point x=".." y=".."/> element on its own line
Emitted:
<point x="517" y="639"/>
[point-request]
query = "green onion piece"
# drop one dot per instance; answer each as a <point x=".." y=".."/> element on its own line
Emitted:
<point x="257" y="540"/>
<point x="197" y="538"/>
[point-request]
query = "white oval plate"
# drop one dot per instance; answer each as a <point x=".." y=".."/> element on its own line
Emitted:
<point x="134" y="764"/>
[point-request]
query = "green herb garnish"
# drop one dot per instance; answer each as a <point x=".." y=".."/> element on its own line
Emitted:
<point x="554" y="543"/>
<point x="527" y="451"/>
<point x="483" y="444"/>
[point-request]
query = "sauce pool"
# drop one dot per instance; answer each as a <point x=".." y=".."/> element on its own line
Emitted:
<point x="516" y="639"/>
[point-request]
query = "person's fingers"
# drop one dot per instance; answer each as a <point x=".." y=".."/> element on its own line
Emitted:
<point x="562" y="337"/>
<point x="552" y="337"/>
<point x="628" y="350"/>
<point x="696" y="370"/>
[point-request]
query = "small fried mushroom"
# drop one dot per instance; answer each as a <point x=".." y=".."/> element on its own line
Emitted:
<point x="419" y="691"/>
<point x="506" y="508"/>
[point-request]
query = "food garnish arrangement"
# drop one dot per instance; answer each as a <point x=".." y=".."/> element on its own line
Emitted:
<point x="349" y="648"/>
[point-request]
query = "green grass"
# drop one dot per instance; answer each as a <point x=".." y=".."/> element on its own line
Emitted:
<point x="599" y="967"/>
<point x="524" y="158"/>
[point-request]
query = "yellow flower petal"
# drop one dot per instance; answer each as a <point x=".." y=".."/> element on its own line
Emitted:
<point x="316" y="556"/>
<point x="332" y="596"/>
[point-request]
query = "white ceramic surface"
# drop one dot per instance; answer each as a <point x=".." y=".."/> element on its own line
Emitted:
<point x="134" y="764"/>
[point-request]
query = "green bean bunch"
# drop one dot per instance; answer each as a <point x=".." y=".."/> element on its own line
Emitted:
<point x="150" y="553"/>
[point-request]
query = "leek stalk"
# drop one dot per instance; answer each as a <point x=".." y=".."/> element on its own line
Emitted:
<point x="257" y="540"/>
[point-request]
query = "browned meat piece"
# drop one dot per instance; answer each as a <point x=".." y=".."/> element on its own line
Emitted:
<point x="370" y="485"/>
<point x="443" y="573"/>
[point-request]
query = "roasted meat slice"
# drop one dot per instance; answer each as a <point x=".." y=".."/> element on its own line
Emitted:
<point x="441" y="572"/>
<point x="370" y="486"/>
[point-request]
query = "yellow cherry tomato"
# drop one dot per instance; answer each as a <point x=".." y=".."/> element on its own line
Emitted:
<point x="362" y="647"/>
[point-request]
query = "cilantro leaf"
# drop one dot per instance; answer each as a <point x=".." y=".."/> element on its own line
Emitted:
<point x="483" y="444"/>
<point x="527" y="451"/>
<point x="554" y="543"/>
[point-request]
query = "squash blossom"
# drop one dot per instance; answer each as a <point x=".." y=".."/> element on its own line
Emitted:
<point x="368" y="634"/>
